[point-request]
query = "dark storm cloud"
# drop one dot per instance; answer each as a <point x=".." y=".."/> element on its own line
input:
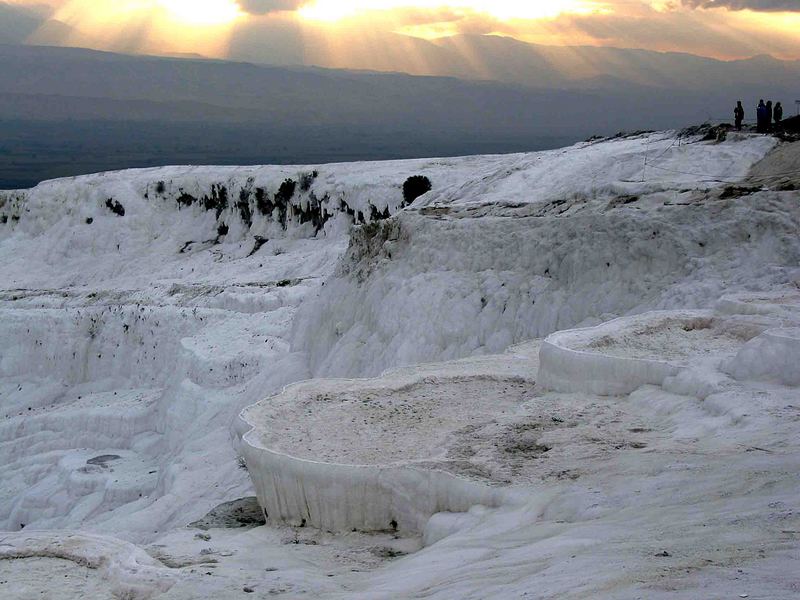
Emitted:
<point x="760" y="5"/>
<point x="263" y="7"/>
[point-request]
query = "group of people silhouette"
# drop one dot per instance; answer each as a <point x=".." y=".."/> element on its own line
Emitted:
<point x="767" y="116"/>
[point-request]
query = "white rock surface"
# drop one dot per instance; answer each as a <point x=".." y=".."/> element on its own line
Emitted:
<point x="125" y="570"/>
<point x="772" y="356"/>
<point x="143" y="337"/>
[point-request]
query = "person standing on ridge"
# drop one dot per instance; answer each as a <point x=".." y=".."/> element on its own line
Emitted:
<point x="768" y="119"/>
<point x="761" y="116"/>
<point x="738" y="114"/>
<point x="778" y="114"/>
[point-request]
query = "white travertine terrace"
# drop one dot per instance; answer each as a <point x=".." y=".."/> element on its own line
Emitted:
<point x="772" y="356"/>
<point x="133" y="343"/>
<point x="330" y="453"/>
<point x="620" y="356"/>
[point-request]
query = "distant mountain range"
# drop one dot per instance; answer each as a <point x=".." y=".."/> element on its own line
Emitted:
<point x="54" y="83"/>
<point x="512" y="61"/>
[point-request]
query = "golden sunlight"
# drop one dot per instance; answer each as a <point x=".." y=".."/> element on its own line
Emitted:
<point x="336" y="10"/>
<point x="152" y="26"/>
<point x="198" y="12"/>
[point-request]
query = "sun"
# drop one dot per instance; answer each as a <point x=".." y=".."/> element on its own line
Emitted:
<point x="202" y="12"/>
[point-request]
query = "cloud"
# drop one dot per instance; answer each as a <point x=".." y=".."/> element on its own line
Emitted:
<point x="17" y="23"/>
<point x="41" y="7"/>
<point x="757" y="5"/>
<point x="263" y="7"/>
<point x="719" y="28"/>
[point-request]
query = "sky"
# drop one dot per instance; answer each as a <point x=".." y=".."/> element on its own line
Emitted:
<point x="319" y="31"/>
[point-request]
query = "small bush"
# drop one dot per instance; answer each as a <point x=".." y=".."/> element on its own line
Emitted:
<point x="286" y="191"/>
<point x="414" y="187"/>
<point x="115" y="207"/>
<point x="222" y="230"/>
<point x="263" y="203"/>
<point x="376" y="215"/>
<point x="244" y="207"/>
<point x="161" y="187"/>
<point x="218" y="200"/>
<point x="186" y="199"/>
<point x="307" y="179"/>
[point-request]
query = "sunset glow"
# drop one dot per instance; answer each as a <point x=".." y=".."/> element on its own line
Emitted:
<point x="208" y="12"/>
<point x="312" y="29"/>
<point x="336" y="10"/>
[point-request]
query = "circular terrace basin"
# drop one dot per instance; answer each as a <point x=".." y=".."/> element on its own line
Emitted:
<point x="620" y="356"/>
<point x="379" y="454"/>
